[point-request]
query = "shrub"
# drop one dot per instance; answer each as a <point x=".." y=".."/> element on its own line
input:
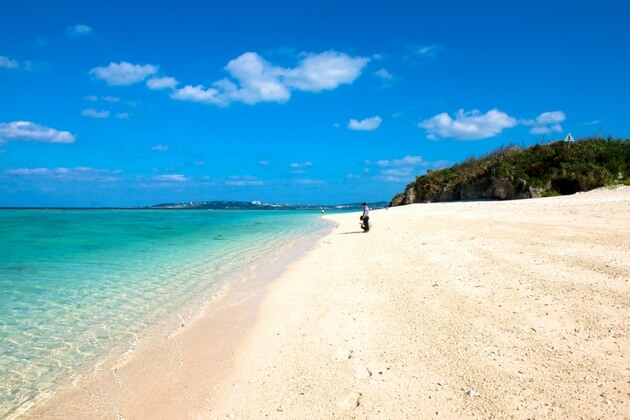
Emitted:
<point x="565" y="167"/>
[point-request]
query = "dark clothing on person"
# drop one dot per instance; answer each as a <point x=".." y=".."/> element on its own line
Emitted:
<point x="365" y="217"/>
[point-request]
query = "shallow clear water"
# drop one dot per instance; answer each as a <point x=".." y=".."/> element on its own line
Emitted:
<point x="76" y="283"/>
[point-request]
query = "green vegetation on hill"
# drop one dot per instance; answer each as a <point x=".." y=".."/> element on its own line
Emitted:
<point x="512" y="172"/>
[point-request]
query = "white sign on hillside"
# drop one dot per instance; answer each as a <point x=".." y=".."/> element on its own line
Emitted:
<point x="569" y="138"/>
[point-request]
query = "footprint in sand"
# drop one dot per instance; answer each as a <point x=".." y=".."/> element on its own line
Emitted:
<point x="350" y="401"/>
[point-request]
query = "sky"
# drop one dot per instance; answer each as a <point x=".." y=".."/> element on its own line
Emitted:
<point x="109" y="103"/>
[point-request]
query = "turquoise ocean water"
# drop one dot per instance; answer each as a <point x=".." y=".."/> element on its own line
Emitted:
<point x="75" y="284"/>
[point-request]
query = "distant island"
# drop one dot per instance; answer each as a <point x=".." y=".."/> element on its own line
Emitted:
<point x="257" y="205"/>
<point x="543" y="170"/>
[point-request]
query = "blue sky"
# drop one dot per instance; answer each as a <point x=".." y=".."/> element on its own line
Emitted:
<point x="131" y="103"/>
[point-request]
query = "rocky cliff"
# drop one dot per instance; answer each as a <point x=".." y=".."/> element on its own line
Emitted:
<point x="514" y="173"/>
<point x="490" y="188"/>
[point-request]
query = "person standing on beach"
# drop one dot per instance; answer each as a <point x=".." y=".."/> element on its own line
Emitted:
<point x="365" y="218"/>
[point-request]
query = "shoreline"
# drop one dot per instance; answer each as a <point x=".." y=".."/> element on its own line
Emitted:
<point x="127" y="380"/>
<point x="463" y="309"/>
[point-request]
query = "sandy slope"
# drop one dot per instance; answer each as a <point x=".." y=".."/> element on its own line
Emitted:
<point x="480" y="309"/>
<point x="515" y="309"/>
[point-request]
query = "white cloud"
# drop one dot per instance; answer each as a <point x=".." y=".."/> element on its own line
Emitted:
<point x="80" y="31"/>
<point x="398" y="172"/>
<point x="264" y="163"/>
<point x="8" y="63"/>
<point x="553" y="117"/>
<point x="171" y="178"/>
<point x="28" y="131"/>
<point x="94" y="98"/>
<point x="368" y="124"/>
<point x="92" y="113"/>
<point x="200" y="94"/>
<point x="301" y="165"/>
<point x="123" y="73"/>
<point x="252" y="78"/>
<point x="160" y="148"/>
<point x="158" y="83"/>
<point x="384" y="74"/>
<point x="81" y="173"/>
<point x="555" y="128"/>
<point x="406" y="161"/>
<point x="122" y="115"/>
<point x="259" y="81"/>
<point x="325" y="71"/>
<point x="401" y="170"/>
<point x="256" y="80"/>
<point x="468" y="125"/>
<point x="309" y="182"/>
<point x="428" y="50"/>
<point x="546" y="123"/>
<point x="28" y="171"/>
<point x="244" y="181"/>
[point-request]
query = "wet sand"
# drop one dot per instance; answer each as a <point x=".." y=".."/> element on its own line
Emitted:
<point x="452" y="310"/>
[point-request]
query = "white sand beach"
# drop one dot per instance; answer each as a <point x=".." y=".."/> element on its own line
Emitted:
<point x="513" y="309"/>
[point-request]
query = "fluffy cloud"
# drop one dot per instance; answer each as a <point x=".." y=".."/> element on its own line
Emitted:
<point x="394" y="170"/>
<point x="384" y="74"/>
<point x="8" y="63"/>
<point x="28" y="131"/>
<point x="308" y="182"/>
<point x="324" y="71"/>
<point x="171" y="178"/>
<point x="94" y="98"/>
<point x="368" y="124"/>
<point x="301" y="165"/>
<point x="29" y="171"/>
<point x="79" y="31"/>
<point x="123" y="73"/>
<point x="259" y="81"/>
<point x="399" y="170"/>
<point x="200" y="94"/>
<point x="158" y="83"/>
<point x="92" y="113"/>
<point x="81" y="173"/>
<point x="253" y="79"/>
<point x="406" y="161"/>
<point x="243" y="181"/>
<point x="468" y="125"/>
<point x="160" y="148"/>
<point x="546" y="123"/>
